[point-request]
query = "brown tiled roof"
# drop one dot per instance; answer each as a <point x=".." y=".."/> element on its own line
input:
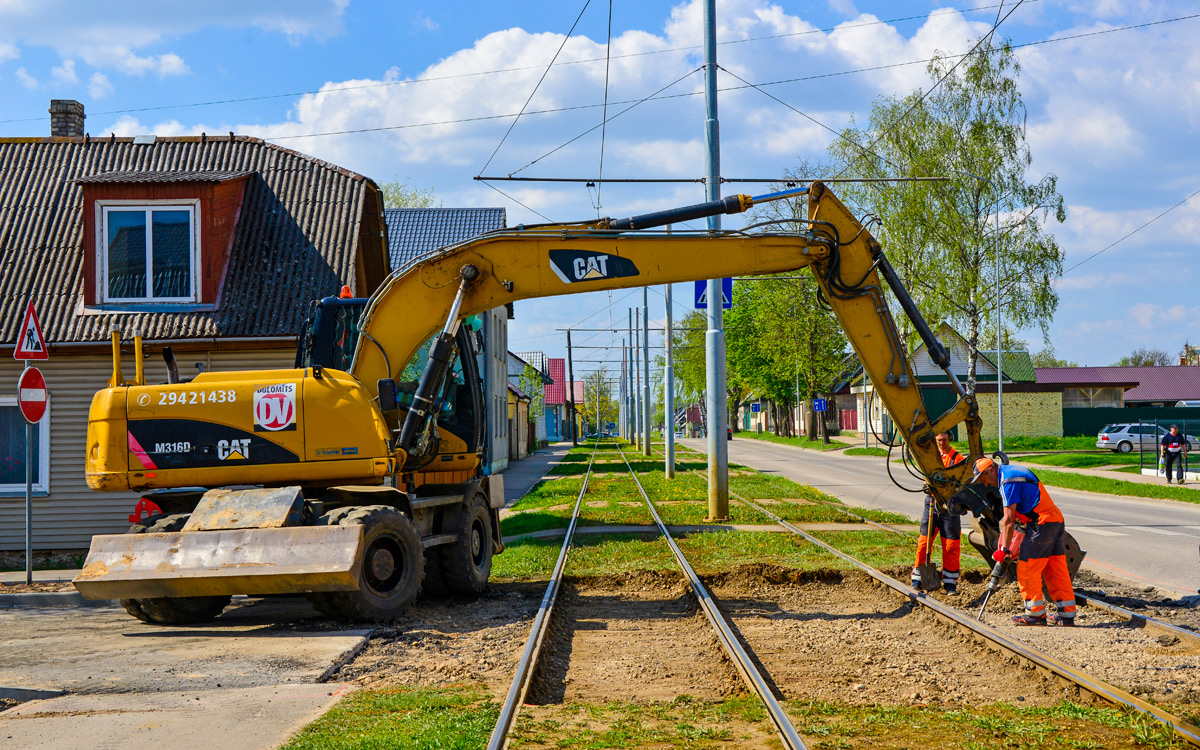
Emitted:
<point x="296" y="239"/>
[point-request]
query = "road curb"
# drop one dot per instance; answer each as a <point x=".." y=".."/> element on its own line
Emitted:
<point x="39" y="599"/>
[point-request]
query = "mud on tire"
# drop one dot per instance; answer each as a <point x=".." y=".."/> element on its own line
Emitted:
<point x="172" y="610"/>
<point x="393" y="566"/>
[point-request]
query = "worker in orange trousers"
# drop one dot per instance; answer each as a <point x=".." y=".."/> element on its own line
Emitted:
<point x="948" y="524"/>
<point x="1042" y="555"/>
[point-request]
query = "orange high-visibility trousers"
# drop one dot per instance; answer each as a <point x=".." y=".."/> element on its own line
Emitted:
<point x="949" y="526"/>
<point x="1042" y="556"/>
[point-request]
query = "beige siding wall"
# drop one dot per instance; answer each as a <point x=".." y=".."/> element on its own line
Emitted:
<point x="1030" y="414"/>
<point x="71" y="513"/>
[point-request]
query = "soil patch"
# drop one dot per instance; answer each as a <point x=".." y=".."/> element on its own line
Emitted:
<point x="1183" y="611"/>
<point x="36" y="587"/>
<point x="1143" y="661"/>
<point x="841" y="636"/>
<point x="453" y="640"/>
<point x="636" y="637"/>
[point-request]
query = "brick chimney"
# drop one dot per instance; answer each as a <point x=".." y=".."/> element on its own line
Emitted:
<point x="66" y="118"/>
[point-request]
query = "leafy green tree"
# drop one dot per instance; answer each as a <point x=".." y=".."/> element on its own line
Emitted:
<point x="942" y="237"/>
<point x="598" y="383"/>
<point x="1144" y="356"/>
<point x="531" y="383"/>
<point x="397" y="194"/>
<point x="1047" y="357"/>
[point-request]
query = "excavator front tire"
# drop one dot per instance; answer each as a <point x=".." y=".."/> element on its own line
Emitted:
<point x="172" y="610"/>
<point x="467" y="563"/>
<point x="392" y="567"/>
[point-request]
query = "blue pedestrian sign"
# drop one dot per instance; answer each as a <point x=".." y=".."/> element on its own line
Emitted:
<point x="818" y="404"/>
<point x="701" y="295"/>
<point x="755" y="407"/>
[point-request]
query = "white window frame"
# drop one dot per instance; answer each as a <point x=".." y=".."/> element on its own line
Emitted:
<point x="42" y="486"/>
<point x="191" y="205"/>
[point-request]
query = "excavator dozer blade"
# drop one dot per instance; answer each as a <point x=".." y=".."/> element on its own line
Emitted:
<point x="289" y="560"/>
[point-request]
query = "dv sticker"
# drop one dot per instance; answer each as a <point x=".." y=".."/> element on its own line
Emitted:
<point x="573" y="266"/>
<point x="275" y="407"/>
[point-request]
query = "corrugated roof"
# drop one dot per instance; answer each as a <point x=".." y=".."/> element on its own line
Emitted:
<point x="1170" y="383"/>
<point x="1018" y="366"/>
<point x="556" y="391"/>
<point x="181" y="176"/>
<point x="296" y="239"/>
<point x="414" y="232"/>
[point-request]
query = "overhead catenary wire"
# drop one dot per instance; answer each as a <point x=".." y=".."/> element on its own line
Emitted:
<point x="604" y="114"/>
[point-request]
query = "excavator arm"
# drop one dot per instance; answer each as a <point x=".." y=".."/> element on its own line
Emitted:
<point x="495" y="269"/>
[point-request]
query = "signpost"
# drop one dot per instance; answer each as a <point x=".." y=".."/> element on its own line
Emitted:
<point x="32" y="397"/>
<point x="700" y="297"/>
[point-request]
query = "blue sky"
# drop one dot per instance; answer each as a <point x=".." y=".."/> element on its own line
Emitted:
<point x="1115" y="116"/>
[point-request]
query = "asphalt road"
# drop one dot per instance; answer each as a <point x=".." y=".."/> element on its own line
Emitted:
<point x="1146" y="542"/>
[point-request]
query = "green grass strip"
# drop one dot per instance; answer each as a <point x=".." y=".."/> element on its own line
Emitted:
<point x="798" y="442"/>
<point x="877" y="452"/>
<point x="417" y="718"/>
<point x="1104" y="485"/>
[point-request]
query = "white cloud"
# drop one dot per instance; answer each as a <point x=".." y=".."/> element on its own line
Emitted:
<point x="109" y="35"/>
<point x="99" y="86"/>
<point x="422" y="22"/>
<point x="26" y="80"/>
<point x="8" y="52"/>
<point x="65" y="73"/>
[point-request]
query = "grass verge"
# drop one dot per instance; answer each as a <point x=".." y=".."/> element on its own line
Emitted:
<point x="878" y="452"/>
<point x="798" y="442"/>
<point x="1085" y="460"/>
<point x="1089" y="483"/>
<point x="450" y="717"/>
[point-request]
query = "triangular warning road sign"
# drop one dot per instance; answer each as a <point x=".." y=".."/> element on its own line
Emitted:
<point x="31" y="344"/>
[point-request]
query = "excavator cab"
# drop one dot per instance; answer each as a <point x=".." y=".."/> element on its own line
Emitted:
<point x="330" y="334"/>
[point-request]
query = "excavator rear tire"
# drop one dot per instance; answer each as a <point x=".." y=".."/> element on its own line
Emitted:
<point x="393" y="565"/>
<point x="467" y="563"/>
<point x="172" y="610"/>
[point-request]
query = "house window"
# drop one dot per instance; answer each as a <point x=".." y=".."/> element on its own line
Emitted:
<point x="148" y="252"/>
<point x="12" y="450"/>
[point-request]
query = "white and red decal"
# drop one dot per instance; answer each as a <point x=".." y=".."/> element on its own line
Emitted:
<point x="275" y="407"/>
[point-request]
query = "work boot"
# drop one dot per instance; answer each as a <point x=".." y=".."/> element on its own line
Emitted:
<point x="1029" y="620"/>
<point x="951" y="589"/>
<point x="1066" y="622"/>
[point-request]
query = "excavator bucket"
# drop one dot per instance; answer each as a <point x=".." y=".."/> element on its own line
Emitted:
<point x="288" y="560"/>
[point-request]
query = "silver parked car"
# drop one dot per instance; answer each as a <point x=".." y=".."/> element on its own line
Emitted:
<point x="1122" y="438"/>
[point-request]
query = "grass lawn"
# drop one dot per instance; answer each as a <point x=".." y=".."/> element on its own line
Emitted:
<point x="799" y="442"/>
<point x="449" y="717"/>
<point x="1020" y="443"/>
<point x="878" y="452"/>
<point x="1085" y="460"/>
<point x="1117" y="486"/>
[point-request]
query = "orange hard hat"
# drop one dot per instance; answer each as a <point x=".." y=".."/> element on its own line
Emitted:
<point x="982" y="465"/>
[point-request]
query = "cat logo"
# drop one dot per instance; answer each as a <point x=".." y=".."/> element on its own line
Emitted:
<point x="572" y="266"/>
<point x="233" y="450"/>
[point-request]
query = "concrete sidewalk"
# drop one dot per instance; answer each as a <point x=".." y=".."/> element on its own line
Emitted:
<point x="521" y="476"/>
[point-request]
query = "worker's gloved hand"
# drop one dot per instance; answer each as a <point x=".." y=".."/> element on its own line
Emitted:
<point x="1000" y="555"/>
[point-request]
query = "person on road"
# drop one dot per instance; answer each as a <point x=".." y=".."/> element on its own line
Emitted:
<point x="949" y="525"/>
<point x="1174" y="446"/>
<point x="1042" y="555"/>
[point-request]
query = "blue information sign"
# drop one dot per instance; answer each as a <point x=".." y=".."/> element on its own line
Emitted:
<point x="701" y="294"/>
<point x="819" y="404"/>
<point x="755" y="407"/>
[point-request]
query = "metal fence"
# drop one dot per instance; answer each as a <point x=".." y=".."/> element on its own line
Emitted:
<point x="1150" y="453"/>
<point x="1084" y="421"/>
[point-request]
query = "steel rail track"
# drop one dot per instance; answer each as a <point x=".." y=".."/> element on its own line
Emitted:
<point x="1043" y="661"/>
<point x="741" y="660"/>
<point x="537" y="633"/>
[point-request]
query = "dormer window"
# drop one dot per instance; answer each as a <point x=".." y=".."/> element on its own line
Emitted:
<point x="150" y="251"/>
<point x="159" y="241"/>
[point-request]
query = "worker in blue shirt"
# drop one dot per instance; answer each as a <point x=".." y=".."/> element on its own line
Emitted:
<point x="1173" y="447"/>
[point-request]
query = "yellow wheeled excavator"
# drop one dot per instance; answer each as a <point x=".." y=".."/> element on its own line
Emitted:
<point x="356" y="477"/>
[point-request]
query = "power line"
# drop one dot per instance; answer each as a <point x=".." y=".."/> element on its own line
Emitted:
<point x="515" y="69"/>
<point x="1130" y="234"/>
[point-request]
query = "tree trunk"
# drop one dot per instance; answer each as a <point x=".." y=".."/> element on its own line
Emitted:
<point x="812" y="417"/>
<point x="824" y="425"/>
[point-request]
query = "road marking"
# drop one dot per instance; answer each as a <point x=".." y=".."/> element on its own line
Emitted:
<point x="1152" y="530"/>
<point x="1098" y="532"/>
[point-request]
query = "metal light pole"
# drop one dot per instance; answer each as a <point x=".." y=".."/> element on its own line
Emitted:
<point x="714" y="337"/>
<point x="669" y="392"/>
<point x="573" y="410"/>
<point x="637" y="374"/>
<point x="999" y="327"/>
<point x="646" y="412"/>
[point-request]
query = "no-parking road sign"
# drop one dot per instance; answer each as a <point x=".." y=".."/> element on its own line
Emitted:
<point x="31" y="395"/>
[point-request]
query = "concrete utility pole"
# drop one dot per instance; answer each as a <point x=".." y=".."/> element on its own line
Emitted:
<point x="622" y="417"/>
<point x="572" y="411"/>
<point x="632" y="434"/>
<point x="647" y="414"/>
<point x="669" y="391"/>
<point x="637" y="373"/>
<point x="714" y="338"/>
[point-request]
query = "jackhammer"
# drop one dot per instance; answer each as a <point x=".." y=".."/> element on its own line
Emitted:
<point x="993" y="583"/>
